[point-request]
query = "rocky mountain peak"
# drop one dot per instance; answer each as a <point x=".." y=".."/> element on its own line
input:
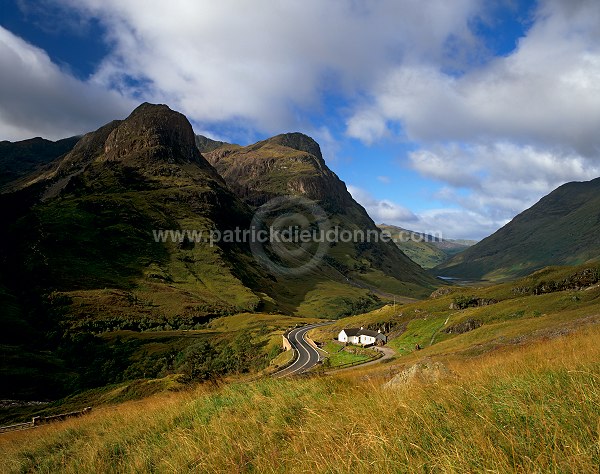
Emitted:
<point x="156" y="132"/>
<point x="297" y="141"/>
<point x="205" y="144"/>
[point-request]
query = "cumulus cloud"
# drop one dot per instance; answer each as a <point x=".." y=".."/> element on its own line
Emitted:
<point x="497" y="135"/>
<point x="486" y="185"/>
<point x="258" y="63"/>
<point x="381" y="210"/>
<point x="454" y="223"/>
<point x="504" y="134"/>
<point x="547" y="92"/>
<point x="449" y="223"/>
<point x="37" y="98"/>
<point x="492" y="183"/>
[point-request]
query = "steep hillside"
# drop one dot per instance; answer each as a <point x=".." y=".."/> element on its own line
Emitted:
<point x="563" y="228"/>
<point x="426" y="250"/>
<point x="80" y="257"/>
<point x="97" y="253"/>
<point x="18" y="159"/>
<point x="288" y="172"/>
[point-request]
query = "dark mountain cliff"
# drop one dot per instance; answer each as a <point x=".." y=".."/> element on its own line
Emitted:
<point x="83" y="263"/>
<point x="18" y="159"/>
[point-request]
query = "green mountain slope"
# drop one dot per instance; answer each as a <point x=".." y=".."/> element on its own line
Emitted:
<point x="18" y="159"/>
<point x="289" y="167"/>
<point x="563" y="228"/>
<point x="426" y="250"/>
<point x="84" y="273"/>
<point x="79" y="258"/>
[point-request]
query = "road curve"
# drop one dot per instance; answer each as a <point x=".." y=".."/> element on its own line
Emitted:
<point x="306" y="355"/>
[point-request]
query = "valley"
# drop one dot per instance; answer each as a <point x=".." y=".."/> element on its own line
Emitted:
<point x="176" y="343"/>
<point x="521" y="370"/>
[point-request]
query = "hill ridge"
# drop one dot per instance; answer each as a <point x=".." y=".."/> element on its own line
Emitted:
<point x="562" y="228"/>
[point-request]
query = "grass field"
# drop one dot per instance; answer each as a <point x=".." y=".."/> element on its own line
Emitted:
<point x="145" y="356"/>
<point x="342" y="355"/>
<point x="522" y="394"/>
<point x="532" y="408"/>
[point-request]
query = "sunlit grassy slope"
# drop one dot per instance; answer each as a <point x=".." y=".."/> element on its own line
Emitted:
<point x="512" y="310"/>
<point x="533" y="408"/>
<point x="523" y="394"/>
<point x="426" y="250"/>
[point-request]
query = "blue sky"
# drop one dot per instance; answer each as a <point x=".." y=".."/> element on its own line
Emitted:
<point x="445" y="117"/>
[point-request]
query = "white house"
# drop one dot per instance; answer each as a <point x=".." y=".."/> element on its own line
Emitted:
<point x="361" y="336"/>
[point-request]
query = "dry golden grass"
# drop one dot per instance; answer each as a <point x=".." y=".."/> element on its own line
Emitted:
<point x="533" y="408"/>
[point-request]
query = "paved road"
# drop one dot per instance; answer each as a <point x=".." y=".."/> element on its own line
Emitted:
<point x="307" y="355"/>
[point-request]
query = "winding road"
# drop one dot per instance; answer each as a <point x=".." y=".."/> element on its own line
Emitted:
<point x="306" y="355"/>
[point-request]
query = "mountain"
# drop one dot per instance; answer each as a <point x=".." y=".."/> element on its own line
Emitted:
<point x="205" y="144"/>
<point x="96" y="256"/>
<point x="563" y="228"/>
<point x="426" y="250"/>
<point x="93" y="225"/>
<point x="79" y="256"/>
<point x="21" y="158"/>
<point x="287" y="171"/>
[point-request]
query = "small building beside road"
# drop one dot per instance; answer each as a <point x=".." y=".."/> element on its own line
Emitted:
<point x="362" y="337"/>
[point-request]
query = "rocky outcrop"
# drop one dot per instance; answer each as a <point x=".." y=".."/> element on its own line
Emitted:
<point x="443" y="291"/>
<point x="425" y="372"/>
<point x="153" y="136"/>
<point x="466" y="326"/>
<point x="579" y="280"/>
<point x="463" y="302"/>
<point x="205" y="144"/>
<point x="298" y="141"/>
<point x="290" y="163"/>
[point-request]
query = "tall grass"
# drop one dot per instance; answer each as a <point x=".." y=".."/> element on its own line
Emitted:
<point x="526" y="409"/>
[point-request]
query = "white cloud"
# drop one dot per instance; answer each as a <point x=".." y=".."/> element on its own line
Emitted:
<point x="486" y="186"/>
<point x="259" y="63"/>
<point x="496" y="137"/>
<point x="384" y="179"/>
<point x="502" y="135"/>
<point x="38" y="99"/>
<point x="546" y="93"/>
<point x="500" y="180"/>
<point x="446" y="223"/>
<point x="381" y="210"/>
<point x="456" y="224"/>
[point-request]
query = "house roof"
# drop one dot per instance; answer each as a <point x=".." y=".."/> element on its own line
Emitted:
<point x="360" y="332"/>
<point x="367" y="332"/>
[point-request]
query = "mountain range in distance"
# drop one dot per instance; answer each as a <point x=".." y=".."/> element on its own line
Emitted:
<point x="425" y="249"/>
<point x="560" y="229"/>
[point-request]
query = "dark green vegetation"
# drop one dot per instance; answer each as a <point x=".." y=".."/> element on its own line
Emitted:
<point x="426" y="250"/>
<point x="18" y="159"/>
<point x="89" y="297"/>
<point x="563" y="228"/>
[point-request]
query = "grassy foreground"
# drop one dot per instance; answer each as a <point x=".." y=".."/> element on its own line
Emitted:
<point x="529" y="408"/>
